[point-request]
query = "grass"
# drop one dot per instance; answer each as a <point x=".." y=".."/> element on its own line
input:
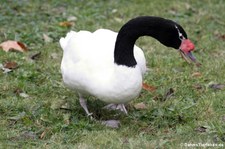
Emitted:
<point x="51" y="116"/>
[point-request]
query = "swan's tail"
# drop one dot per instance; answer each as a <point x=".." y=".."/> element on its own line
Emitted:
<point x="64" y="40"/>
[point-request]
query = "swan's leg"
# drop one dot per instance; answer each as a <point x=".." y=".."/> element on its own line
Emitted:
<point x="122" y="108"/>
<point x="113" y="106"/>
<point x="84" y="105"/>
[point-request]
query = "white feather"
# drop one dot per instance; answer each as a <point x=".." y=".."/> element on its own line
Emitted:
<point x="88" y="67"/>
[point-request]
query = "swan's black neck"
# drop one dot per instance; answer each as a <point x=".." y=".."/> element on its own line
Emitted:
<point x="161" y="29"/>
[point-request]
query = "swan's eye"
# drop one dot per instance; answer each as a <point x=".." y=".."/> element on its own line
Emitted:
<point x="181" y="36"/>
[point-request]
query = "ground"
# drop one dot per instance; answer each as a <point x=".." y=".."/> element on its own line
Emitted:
<point x="38" y="111"/>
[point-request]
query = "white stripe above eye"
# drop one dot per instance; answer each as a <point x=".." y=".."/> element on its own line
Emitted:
<point x="181" y="36"/>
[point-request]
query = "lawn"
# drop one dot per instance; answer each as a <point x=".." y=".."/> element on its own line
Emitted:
<point x="38" y="111"/>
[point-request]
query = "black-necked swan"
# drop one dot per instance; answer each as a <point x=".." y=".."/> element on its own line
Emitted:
<point x="109" y="66"/>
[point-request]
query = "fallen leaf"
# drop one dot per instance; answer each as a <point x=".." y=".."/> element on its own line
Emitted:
<point x="57" y="104"/>
<point x="219" y="35"/>
<point x="18" y="117"/>
<point x="111" y="123"/>
<point x="223" y="118"/>
<point x="10" y="65"/>
<point x="42" y="134"/>
<point x="66" y="118"/>
<point x="140" y="106"/>
<point x="217" y="86"/>
<point x="25" y="136"/>
<point x="65" y="106"/>
<point x="66" y="24"/>
<point x="47" y="39"/>
<point x="197" y="86"/>
<point x="114" y="10"/>
<point x="196" y="74"/>
<point x="201" y="129"/>
<point x="72" y="18"/>
<point x="118" y="19"/>
<point x="54" y="55"/>
<point x="17" y="91"/>
<point x="5" y="70"/>
<point x="222" y="37"/>
<point x="29" y="135"/>
<point x="198" y="64"/>
<point x="13" y="45"/>
<point x="35" y="56"/>
<point x="168" y="94"/>
<point x="24" y="95"/>
<point x="148" y="87"/>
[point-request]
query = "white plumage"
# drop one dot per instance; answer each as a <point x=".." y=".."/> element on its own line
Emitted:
<point x="88" y="67"/>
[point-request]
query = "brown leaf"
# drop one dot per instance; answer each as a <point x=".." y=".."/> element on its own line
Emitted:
<point x="196" y="74"/>
<point x="168" y="94"/>
<point x="201" y="129"/>
<point x="197" y="86"/>
<point x="43" y="134"/>
<point x="66" y="24"/>
<point x="140" y="106"/>
<point x="13" y="45"/>
<point x="220" y="36"/>
<point x="10" y="65"/>
<point x="148" y="87"/>
<point x="217" y="86"/>
<point x="5" y="70"/>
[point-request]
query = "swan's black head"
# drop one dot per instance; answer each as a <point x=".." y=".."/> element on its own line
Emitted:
<point x="167" y="32"/>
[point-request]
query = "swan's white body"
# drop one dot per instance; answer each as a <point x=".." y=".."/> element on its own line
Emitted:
<point x="88" y="67"/>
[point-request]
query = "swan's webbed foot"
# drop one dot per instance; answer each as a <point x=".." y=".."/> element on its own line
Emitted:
<point x="108" y="123"/>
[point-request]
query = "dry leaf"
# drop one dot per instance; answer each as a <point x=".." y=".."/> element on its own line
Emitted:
<point x="111" y="123"/>
<point x="140" y="106"/>
<point x="13" y="45"/>
<point x="219" y="35"/>
<point x="196" y="74"/>
<point x="5" y="70"/>
<point x="47" y="38"/>
<point x="197" y="86"/>
<point x="57" y="104"/>
<point x="66" y="24"/>
<point x="217" y="86"/>
<point x="72" y="18"/>
<point x="118" y="19"/>
<point x="114" y="10"/>
<point x="168" y="94"/>
<point x="35" y="56"/>
<point x="10" y="65"/>
<point x="148" y="87"/>
<point x="66" y="118"/>
<point x="24" y="95"/>
<point x="18" y="117"/>
<point x="27" y="135"/>
<point x="54" y="55"/>
<point x="223" y="118"/>
<point x="42" y="135"/>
